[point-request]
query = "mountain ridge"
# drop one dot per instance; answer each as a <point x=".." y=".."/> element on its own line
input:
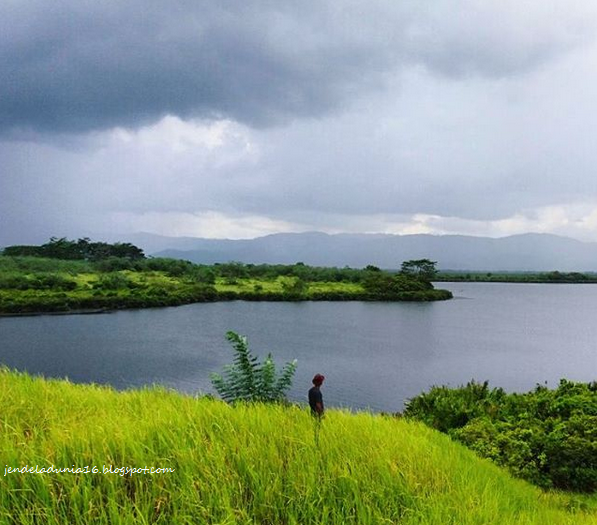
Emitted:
<point x="520" y="252"/>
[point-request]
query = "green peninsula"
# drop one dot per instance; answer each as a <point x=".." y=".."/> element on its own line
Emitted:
<point x="72" y="276"/>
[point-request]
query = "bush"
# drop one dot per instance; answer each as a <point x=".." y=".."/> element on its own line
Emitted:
<point x="233" y="270"/>
<point x="114" y="281"/>
<point x="445" y="408"/>
<point x="548" y="437"/>
<point x="41" y="281"/>
<point x="294" y="288"/>
<point x="52" y="281"/>
<point x="114" y="264"/>
<point x="173" y="267"/>
<point x="200" y="274"/>
<point x="571" y="453"/>
<point x="14" y="281"/>
<point x="248" y="380"/>
<point x="385" y="285"/>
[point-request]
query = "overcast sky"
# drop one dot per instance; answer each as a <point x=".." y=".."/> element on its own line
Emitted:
<point x="238" y="119"/>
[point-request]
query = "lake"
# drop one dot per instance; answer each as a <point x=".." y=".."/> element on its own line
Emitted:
<point x="374" y="355"/>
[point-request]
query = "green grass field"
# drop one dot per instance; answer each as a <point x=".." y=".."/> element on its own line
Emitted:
<point x="277" y="286"/>
<point x="244" y="464"/>
<point x="154" y="289"/>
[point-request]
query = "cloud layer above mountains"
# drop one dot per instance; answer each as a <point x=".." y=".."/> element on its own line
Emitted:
<point x="243" y="118"/>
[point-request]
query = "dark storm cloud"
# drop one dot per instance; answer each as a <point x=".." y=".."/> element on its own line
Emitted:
<point x="82" y="65"/>
<point x="234" y="118"/>
<point x="75" y="65"/>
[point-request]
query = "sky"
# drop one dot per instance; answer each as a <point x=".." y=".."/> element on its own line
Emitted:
<point x="229" y="119"/>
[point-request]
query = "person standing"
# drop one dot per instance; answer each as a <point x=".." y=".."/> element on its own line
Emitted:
<point x="315" y="396"/>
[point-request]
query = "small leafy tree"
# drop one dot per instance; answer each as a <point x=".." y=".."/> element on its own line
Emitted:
<point x="294" y="287"/>
<point x="423" y="269"/>
<point x="248" y="380"/>
<point x="372" y="268"/>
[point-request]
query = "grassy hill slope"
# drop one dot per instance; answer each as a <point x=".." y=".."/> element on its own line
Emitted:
<point x="243" y="464"/>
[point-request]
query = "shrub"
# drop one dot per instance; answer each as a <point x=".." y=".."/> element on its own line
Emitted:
<point x="571" y="453"/>
<point x="445" y="408"/>
<point x="40" y="281"/>
<point x="248" y="380"/>
<point x="113" y="281"/>
<point x="548" y="437"/>
<point x="294" y="288"/>
<point x="52" y="281"/>
<point x="385" y="285"/>
<point x="14" y="281"/>
<point x="200" y="274"/>
<point x="234" y="270"/>
<point x="114" y="264"/>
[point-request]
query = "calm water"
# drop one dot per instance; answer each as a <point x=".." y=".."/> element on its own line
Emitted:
<point x="374" y="355"/>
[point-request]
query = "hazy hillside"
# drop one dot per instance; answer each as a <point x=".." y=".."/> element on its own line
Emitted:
<point x="528" y="252"/>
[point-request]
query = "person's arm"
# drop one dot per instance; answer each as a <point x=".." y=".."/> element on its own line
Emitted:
<point x="319" y="403"/>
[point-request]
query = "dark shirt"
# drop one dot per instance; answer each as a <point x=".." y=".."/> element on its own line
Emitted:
<point x="314" y="398"/>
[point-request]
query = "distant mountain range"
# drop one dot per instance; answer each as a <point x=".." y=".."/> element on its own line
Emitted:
<point x="527" y="252"/>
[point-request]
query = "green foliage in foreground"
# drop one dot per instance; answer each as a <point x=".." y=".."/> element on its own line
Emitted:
<point x="249" y="380"/>
<point x="34" y="284"/>
<point x="248" y="463"/>
<point x="548" y="437"/>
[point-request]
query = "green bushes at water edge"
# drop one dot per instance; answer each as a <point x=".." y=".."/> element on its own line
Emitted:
<point x="158" y="297"/>
<point x="338" y="295"/>
<point x="548" y="437"/>
<point x="106" y="299"/>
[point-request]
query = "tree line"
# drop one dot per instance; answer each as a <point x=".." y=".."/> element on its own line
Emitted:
<point x="81" y="249"/>
<point x="518" y="277"/>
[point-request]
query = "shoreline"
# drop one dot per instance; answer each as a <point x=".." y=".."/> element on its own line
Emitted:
<point x="61" y="312"/>
<point x="271" y="299"/>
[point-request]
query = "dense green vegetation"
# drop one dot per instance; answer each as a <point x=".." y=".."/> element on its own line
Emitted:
<point x="247" y="463"/>
<point x="35" y="284"/>
<point x="548" y="437"/>
<point x="516" y="277"/>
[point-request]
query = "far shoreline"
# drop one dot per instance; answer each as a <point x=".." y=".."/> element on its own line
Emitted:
<point x="94" y="311"/>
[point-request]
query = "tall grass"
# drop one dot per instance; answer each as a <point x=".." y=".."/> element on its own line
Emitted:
<point x="243" y="464"/>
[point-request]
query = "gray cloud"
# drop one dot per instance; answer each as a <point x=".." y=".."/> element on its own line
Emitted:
<point x="256" y="117"/>
<point x="75" y="65"/>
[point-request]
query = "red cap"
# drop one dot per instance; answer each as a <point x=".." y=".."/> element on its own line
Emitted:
<point x="318" y="379"/>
